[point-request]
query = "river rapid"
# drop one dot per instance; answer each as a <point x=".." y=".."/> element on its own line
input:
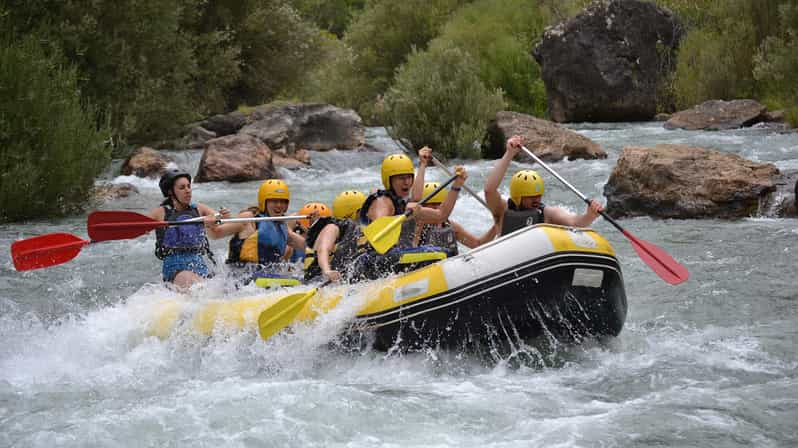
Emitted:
<point x="711" y="362"/>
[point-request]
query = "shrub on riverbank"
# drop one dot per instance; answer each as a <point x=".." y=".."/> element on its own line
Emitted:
<point x="438" y="100"/>
<point x="52" y="145"/>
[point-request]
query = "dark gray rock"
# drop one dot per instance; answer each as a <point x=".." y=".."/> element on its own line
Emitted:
<point x="606" y="64"/>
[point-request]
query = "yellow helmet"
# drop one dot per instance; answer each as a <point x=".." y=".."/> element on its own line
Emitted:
<point x="347" y="204"/>
<point x="310" y="207"/>
<point x="525" y="183"/>
<point x="272" y="189"/>
<point x="394" y="165"/>
<point x="439" y="196"/>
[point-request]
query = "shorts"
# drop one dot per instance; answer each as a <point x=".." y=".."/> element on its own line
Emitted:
<point x="175" y="263"/>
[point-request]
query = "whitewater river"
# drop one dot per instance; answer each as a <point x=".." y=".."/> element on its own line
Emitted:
<point x="711" y="362"/>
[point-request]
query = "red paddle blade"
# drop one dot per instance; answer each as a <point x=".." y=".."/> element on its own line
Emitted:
<point x="46" y="250"/>
<point x="663" y="264"/>
<point x="120" y="225"/>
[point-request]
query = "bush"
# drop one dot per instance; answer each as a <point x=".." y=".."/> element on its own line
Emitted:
<point x="376" y="43"/>
<point x="51" y="145"/>
<point x="500" y="34"/>
<point x="776" y="64"/>
<point x="438" y="100"/>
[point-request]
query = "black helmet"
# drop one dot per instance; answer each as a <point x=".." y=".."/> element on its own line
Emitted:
<point x="168" y="179"/>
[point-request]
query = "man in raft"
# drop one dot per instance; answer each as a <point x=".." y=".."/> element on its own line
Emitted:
<point x="185" y="249"/>
<point x="524" y="207"/>
<point x="398" y="175"/>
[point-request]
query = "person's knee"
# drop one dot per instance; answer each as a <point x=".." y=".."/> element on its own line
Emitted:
<point x="185" y="279"/>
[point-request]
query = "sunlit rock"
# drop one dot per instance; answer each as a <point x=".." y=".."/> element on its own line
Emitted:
<point x="679" y="181"/>
<point x="714" y="115"/>
<point x="235" y="158"/>
<point x="145" y="162"/>
<point x="547" y="140"/>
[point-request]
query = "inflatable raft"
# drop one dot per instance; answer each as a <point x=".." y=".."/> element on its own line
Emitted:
<point x="541" y="281"/>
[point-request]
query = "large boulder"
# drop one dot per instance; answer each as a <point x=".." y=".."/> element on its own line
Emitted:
<point x="318" y="127"/>
<point x="679" y="181"/>
<point x="145" y="162"/>
<point x="606" y="64"/>
<point x="549" y="141"/>
<point x="235" y="158"/>
<point x="714" y="115"/>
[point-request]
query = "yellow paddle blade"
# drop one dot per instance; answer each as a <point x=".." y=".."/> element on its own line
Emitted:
<point x="384" y="232"/>
<point x="282" y="313"/>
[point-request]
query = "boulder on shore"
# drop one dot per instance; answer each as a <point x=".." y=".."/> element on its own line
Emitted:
<point x="318" y="127"/>
<point x="715" y="115"/>
<point x="679" y="181"/>
<point x="549" y="141"/>
<point x="607" y="63"/>
<point x="235" y="158"/>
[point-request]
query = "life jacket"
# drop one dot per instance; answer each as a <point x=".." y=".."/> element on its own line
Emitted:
<point x="442" y="236"/>
<point x="399" y="204"/>
<point x="515" y="219"/>
<point x="348" y="246"/>
<point x="185" y="239"/>
<point x="266" y="245"/>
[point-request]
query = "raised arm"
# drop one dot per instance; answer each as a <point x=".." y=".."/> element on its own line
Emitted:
<point x="492" y="196"/>
<point x="424" y="157"/>
<point x="427" y="215"/>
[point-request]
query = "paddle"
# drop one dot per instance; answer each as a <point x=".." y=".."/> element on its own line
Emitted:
<point x="281" y="313"/>
<point x="655" y="257"/>
<point x="384" y="232"/>
<point x="45" y="250"/>
<point x="443" y="167"/>
<point x="122" y="225"/>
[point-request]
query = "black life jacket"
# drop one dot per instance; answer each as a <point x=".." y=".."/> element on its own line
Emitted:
<point x="399" y="204"/>
<point x="442" y="236"/>
<point x="515" y="219"/>
<point x="190" y="239"/>
<point x="348" y="246"/>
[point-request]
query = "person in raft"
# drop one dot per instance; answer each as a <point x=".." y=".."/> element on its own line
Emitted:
<point x="524" y="207"/>
<point x="314" y="211"/>
<point x="446" y="234"/>
<point x="258" y="249"/>
<point x="336" y="241"/>
<point x="398" y="175"/>
<point x="184" y="249"/>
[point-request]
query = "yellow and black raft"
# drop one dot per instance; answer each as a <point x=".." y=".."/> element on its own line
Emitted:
<point x="541" y="281"/>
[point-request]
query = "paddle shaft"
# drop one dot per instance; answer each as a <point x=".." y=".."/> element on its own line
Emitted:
<point x="192" y="221"/>
<point x="446" y="170"/>
<point x="465" y="187"/>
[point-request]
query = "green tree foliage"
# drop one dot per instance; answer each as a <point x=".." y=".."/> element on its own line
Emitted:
<point x="500" y="35"/>
<point x="376" y="43"/>
<point x="158" y="64"/>
<point x="333" y="16"/>
<point x="715" y="58"/>
<point x="776" y="64"/>
<point x="438" y="100"/>
<point x="52" y="145"/>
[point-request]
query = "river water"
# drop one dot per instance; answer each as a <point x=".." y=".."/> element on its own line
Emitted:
<point x="711" y="362"/>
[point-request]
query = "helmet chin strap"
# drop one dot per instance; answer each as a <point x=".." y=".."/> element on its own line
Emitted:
<point x="174" y="198"/>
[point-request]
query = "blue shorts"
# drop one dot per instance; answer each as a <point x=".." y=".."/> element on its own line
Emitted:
<point x="175" y="263"/>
